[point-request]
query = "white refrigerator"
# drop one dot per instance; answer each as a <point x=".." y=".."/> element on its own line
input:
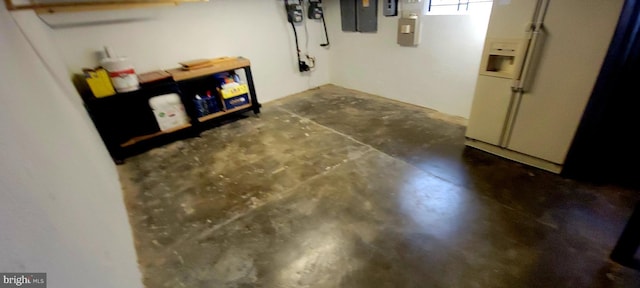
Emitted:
<point x="539" y="66"/>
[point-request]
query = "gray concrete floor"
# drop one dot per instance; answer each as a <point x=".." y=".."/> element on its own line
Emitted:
<point x="337" y="188"/>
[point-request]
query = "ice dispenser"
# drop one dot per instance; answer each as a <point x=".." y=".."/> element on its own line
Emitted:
<point x="502" y="58"/>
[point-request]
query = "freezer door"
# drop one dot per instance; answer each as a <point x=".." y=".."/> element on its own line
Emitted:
<point x="510" y="19"/>
<point x="578" y="33"/>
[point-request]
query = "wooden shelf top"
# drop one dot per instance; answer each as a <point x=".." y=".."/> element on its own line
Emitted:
<point x="180" y="74"/>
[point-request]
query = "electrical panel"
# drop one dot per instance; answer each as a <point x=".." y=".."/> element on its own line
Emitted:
<point x="367" y="15"/>
<point x="348" y="15"/>
<point x="359" y="15"/>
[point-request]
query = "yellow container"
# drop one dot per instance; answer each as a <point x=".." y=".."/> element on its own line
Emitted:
<point x="233" y="92"/>
<point x="99" y="82"/>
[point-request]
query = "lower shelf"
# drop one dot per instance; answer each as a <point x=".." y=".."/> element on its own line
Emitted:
<point x="137" y="139"/>
<point x="218" y="114"/>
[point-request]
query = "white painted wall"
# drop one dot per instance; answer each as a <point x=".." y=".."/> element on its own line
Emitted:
<point x="62" y="210"/>
<point x="440" y="73"/>
<point x="159" y="38"/>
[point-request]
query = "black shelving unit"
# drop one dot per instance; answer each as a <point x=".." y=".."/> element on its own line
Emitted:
<point x="126" y="122"/>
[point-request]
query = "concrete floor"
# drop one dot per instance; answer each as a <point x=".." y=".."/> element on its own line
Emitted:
<point x="337" y="188"/>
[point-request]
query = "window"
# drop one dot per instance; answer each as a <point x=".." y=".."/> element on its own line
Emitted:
<point x="453" y="7"/>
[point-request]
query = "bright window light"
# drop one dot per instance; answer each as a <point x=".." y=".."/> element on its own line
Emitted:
<point x="456" y="7"/>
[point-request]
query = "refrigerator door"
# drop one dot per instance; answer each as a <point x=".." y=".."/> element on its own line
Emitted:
<point x="489" y="109"/>
<point x="578" y="33"/>
<point x="492" y="97"/>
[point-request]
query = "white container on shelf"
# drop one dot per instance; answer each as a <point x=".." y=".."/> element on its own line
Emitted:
<point x="122" y="74"/>
<point x="169" y="111"/>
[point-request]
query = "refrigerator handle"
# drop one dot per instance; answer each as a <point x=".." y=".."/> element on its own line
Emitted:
<point x="531" y="60"/>
<point x="521" y="62"/>
<point x="535" y="41"/>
